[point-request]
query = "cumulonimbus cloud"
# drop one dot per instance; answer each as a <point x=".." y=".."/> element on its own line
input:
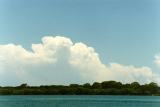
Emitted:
<point x="57" y="60"/>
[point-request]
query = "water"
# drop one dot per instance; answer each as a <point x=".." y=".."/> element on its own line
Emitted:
<point x="79" y="101"/>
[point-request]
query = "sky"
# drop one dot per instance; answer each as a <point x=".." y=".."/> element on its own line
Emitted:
<point x="115" y="35"/>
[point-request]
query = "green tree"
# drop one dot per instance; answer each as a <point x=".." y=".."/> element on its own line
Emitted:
<point x="153" y="87"/>
<point x="23" y="85"/>
<point x="74" y="85"/>
<point x="87" y="85"/>
<point x="135" y="85"/>
<point x="111" y="84"/>
<point x="96" y="85"/>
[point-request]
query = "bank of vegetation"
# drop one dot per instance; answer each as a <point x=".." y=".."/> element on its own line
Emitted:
<point x="103" y="88"/>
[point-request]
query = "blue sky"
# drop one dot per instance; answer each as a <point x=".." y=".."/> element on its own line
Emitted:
<point x="123" y="31"/>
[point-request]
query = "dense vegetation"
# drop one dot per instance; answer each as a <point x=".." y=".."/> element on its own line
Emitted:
<point x="104" y="88"/>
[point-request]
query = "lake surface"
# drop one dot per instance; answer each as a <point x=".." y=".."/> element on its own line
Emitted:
<point x="79" y="101"/>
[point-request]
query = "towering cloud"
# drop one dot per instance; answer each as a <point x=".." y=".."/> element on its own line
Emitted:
<point x="57" y="60"/>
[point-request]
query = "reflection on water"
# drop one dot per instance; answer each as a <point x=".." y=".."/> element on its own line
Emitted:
<point x="79" y="101"/>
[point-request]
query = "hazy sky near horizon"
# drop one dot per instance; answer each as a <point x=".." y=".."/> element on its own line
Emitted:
<point x="121" y="31"/>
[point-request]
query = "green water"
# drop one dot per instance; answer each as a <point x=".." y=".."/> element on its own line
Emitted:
<point x="79" y="101"/>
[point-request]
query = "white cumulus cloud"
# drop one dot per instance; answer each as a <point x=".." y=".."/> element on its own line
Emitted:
<point x="157" y="59"/>
<point x="57" y="60"/>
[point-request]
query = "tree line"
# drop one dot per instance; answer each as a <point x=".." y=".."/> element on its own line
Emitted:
<point x="103" y="88"/>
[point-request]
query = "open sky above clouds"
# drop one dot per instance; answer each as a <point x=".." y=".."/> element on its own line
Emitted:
<point x="66" y="41"/>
